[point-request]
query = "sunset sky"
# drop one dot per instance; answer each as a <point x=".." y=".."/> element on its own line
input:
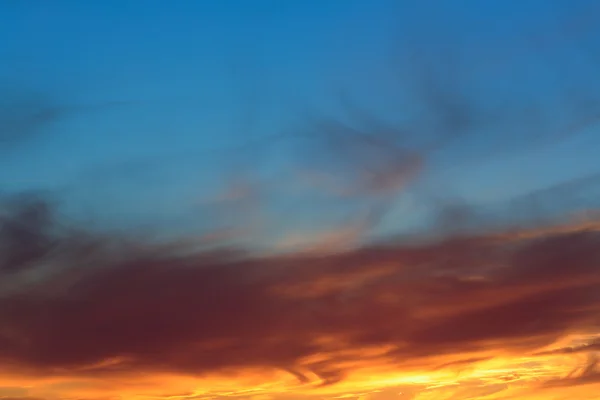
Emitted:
<point x="282" y="199"/>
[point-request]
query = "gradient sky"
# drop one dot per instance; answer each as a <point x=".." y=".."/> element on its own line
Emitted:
<point x="196" y="115"/>
<point x="145" y="91"/>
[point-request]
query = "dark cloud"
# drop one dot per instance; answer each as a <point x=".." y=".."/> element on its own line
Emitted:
<point x="593" y="345"/>
<point x="25" y="233"/>
<point x="102" y="306"/>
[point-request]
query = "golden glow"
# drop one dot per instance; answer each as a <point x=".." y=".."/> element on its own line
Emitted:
<point x="501" y="377"/>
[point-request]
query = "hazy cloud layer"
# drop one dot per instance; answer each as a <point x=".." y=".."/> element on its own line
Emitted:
<point x="80" y="305"/>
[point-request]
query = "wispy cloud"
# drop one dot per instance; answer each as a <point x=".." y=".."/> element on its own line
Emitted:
<point x="109" y="310"/>
<point x="25" y="115"/>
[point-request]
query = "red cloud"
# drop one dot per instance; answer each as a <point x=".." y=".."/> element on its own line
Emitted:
<point x="119" y="309"/>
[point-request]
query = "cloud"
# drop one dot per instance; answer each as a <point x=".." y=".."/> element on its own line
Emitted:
<point x="466" y="362"/>
<point x="116" y="308"/>
<point x="593" y="345"/>
<point x="25" y="114"/>
<point x="587" y="375"/>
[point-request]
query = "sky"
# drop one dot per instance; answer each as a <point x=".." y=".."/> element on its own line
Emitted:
<point x="302" y="133"/>
<point x="145" y="99"/>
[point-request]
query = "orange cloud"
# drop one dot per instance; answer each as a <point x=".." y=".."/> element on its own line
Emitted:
<point x="464" y="318"/>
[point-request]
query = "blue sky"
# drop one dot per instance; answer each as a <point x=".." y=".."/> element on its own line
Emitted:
<point x="147" y="91"/>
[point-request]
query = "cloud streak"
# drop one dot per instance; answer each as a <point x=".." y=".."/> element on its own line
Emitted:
<point x="92" y="308"/>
